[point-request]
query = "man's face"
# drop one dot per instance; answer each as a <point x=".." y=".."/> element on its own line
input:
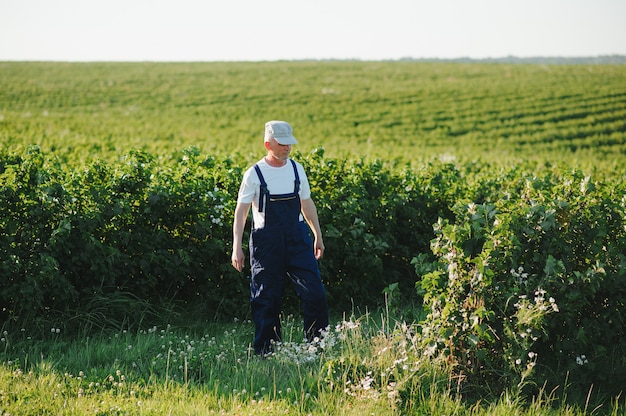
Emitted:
<point x="277" y="150"/>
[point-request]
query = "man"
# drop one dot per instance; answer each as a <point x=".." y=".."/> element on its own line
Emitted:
<point x="278" y="190"/>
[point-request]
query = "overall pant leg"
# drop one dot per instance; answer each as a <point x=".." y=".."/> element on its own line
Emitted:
<point x="267" y="286"/>
<point x="303" y="271"/>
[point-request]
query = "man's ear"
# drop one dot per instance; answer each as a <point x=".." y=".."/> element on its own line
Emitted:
<point x="267" y="145"/>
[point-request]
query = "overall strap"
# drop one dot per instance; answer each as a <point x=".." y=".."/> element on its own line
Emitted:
<point x="264" y="193"/>
<point x="296" y="185"/>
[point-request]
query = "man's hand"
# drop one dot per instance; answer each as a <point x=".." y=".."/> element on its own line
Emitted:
<point x="310" y="215"/>
<point x="237" y="259"/>
<point x="319" y="248"/>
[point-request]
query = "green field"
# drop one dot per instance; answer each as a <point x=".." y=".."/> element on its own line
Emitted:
<point x="387" y="110"/>
<point x="474" y="217"/>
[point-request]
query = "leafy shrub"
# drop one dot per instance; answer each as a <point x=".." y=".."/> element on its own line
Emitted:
<point x="155" y="232"/>
<point x="528" y="281"/>
<point x="374" y="218"/>
<point x="158" y="232"/>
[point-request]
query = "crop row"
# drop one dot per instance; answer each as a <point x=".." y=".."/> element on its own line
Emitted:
<point x="388" y="110"/>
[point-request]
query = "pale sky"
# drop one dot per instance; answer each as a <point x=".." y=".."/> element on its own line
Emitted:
<point x="257" y="30"/>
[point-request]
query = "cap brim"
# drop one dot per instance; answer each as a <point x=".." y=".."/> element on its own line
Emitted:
<point x="286" y="140"/>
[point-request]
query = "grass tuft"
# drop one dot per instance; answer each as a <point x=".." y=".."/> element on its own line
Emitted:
<point x="361" y="366"/>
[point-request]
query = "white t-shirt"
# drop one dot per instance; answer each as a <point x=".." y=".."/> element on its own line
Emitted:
<point x="279" y="181"/>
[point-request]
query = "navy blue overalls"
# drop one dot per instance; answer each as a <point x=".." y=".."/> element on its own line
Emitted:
<point x="283" y="249"/>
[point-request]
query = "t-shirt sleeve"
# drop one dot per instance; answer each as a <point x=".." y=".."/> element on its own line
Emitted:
<point x="248" y="187"/>
<point x="305" y="187"/>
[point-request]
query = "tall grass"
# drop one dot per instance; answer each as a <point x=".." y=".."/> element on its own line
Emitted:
<point x="364" y="365"/>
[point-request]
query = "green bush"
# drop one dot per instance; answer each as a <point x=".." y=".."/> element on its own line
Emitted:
<point x="529" y="282"/>
<point x="31" y="218"/>
<point x="374" y="218"/>
<point x="157" y="233"/>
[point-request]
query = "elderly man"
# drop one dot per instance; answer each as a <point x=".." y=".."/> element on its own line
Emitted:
<point x="281" y="248"/>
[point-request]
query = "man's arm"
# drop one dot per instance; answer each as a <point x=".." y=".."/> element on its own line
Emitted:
<point x="239" y="222"/>
<point x="310" y="215"/>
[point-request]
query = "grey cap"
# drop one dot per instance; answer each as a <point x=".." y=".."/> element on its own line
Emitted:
<point x="281" y="131"/>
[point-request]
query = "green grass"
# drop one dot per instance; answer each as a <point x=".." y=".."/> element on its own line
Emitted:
<point x="365" y="366"/>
